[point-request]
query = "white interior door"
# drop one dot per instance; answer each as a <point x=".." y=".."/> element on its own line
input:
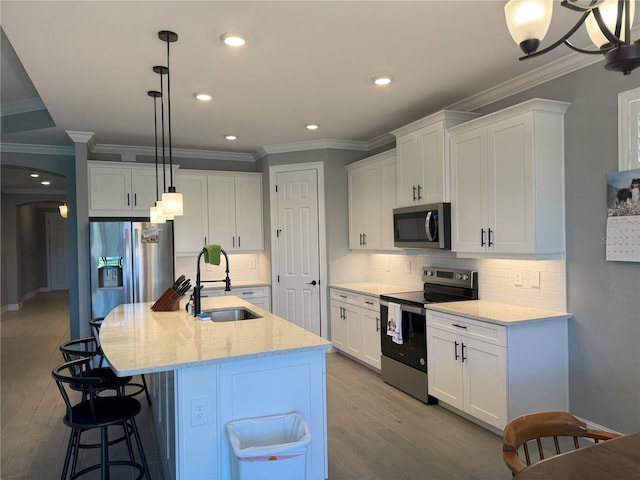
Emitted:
<point x="57" y="252"/>
<point x="297" y="269"/>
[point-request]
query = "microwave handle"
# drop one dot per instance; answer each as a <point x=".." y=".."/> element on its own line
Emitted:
<point x="427" y="221"/>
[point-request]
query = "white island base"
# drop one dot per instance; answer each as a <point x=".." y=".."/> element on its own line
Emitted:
<point x="204" y="374"/>
<point x="193" y="406"/>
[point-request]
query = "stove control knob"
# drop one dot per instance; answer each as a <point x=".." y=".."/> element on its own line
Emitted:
<point x="465" y="277"/>
<point x="422" y="361"/>
<point x="428" y="273"/>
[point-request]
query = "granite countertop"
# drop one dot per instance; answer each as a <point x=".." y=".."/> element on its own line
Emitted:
<point x="498" y="313"/>
<point x="135" y="339"/>
<point x="373" y="288"/>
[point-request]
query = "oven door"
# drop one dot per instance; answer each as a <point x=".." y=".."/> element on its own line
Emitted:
<point x="413" y="351"/>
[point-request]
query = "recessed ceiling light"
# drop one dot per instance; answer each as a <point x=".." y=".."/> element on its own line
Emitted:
<point x="203" y="97"/>
<point x="45" y="182"/>
<point x="230" y="137"/>
<point x="312" y="126"/>
<point x="34" y="175"/>
<point x="233" y="39"/>
<point x="382" y="80"/>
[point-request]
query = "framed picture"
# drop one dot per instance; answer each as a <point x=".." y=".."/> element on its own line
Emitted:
<point x="629" y="129"/>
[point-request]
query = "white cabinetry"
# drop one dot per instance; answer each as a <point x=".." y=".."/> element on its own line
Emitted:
<point x="372" y="197"/>
<point x="423" y="158"/>
<point x="222" y="208"/>
<point x="493" y="372"/>
<point x="355" y="325"/>
<point x="507" y="182"/>
<point x="235" y="211"/>
<point x="121" y="189"/>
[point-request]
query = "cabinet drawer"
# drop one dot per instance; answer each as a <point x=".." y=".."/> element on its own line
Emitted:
<point x="250" y="292"/>
<point x="364" y="301"/>
<point x="486" y="332"/>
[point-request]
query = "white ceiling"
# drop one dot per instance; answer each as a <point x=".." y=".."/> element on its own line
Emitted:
<point x="306" y="62"/>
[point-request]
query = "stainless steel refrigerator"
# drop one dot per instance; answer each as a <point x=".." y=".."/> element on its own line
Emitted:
<point x="130" y="262"/>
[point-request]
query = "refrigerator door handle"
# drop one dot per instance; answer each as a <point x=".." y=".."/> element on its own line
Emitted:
<point x="136" y="251"/>
<point x="128" y="259"/>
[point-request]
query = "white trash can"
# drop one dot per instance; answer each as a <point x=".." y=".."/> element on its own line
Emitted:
<point x="273" y="447"/>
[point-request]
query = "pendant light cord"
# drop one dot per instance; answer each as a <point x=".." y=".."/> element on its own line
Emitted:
<point x="171" y="188"/>
<point x="155" y="128"/>
<point x="164" y="175"/>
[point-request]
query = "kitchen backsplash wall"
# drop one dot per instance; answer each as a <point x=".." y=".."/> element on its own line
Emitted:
<point x="506" y="281"/>
<point x="242" y="267"/>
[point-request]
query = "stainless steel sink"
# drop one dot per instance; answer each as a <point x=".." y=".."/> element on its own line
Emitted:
<point x="231" y="314"/>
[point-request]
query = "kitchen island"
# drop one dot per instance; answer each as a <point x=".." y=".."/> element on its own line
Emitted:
<point x="205" y="374"/>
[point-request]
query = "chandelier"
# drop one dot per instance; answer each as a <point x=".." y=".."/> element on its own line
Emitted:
<point x="608" y="24"/>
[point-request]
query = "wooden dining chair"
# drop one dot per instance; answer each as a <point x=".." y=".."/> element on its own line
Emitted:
<point x="541" y="425"/>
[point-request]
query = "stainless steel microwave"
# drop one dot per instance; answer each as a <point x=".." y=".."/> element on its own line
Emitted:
<point x="423" y="226"/>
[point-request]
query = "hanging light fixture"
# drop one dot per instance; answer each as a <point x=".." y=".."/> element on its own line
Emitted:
<point x="155" y="212"/>
<point x="63" y="210"/>
<point x="608" y="24"/>
<point x="171" y="200"/>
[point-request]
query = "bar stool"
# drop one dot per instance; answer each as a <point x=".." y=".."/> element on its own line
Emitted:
<point x="94" y="412"/>
<point x="88" y="348"/>
<point x="95" y="324"/>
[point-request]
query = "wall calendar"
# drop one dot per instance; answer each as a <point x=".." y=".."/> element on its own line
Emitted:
<point x="623" y="216"/>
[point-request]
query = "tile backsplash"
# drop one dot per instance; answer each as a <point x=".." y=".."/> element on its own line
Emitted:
<point x="531" y="283"/>
<point x="242" y="267"/>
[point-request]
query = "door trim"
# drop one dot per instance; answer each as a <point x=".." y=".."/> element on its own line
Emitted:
<point x="322" y="244"/>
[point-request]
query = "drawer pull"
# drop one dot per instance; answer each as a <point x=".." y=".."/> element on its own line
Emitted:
<point x="459" y="326"/>
<point x="248" y="293"/>
<point x="368" y="303"/>
<point x="343" y="296"/>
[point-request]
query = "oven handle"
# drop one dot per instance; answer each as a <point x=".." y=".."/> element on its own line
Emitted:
<point x="407" y="308"/>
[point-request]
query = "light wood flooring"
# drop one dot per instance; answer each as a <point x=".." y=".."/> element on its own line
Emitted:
<point x="374" y="430"/>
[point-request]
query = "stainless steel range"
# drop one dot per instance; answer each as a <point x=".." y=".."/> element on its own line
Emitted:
<point x="404" y="349"/>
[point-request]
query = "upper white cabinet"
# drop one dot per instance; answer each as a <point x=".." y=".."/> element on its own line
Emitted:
<point x="222" y="208"/>
<point x="507" y="182"/>
<point x="121" y="189"/>
<point x="372" y="197"/>
<point x="423" y="158"/>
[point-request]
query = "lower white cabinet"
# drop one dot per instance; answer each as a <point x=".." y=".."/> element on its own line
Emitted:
<point x="494" y="372"/>
<point x="355" y="325"/>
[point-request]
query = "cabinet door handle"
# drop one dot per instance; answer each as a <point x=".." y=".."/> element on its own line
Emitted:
<point x="377" y="324"/>
<point x="128" y="199"/>
<point x="482" y="237"/>
<point x="463" y="357"/>
<point x="360" y="239"/>
<point x="455" y="350"/>
<point x="490" y="241"/>
<point x="233" y="242"/>
<point x="364" y="239"/>
<point x="238" y="241"/>
<point x="414" y="193"/>
<point x="135" y="199"/>
<point x="419" y="192"/>
<point x="459" y="326"/>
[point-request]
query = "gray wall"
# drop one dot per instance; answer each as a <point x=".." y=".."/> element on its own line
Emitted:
<point x="604" y="297"/>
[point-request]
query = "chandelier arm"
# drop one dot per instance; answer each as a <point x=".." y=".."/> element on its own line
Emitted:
<point x="615" y="41"/>
<point x="560" y="41"/>
<point x="588" y="52"/>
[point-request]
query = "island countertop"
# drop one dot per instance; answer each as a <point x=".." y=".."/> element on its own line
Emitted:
<point x="135" y="339"/>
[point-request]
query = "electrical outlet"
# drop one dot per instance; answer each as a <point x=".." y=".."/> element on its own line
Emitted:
<point x="199" y="411"/>
<point x="407" y="267"/>
<point x="252" y="263"/>
<point x="535" y="279"/>
<point x="517" y="278"/>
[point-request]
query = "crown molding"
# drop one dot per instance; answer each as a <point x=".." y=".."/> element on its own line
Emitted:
<point x="312" y="145"/>
<point x="23" y="106"/>
<point x="380" y="141"/>
<point x="177" y="152"/>
<point x="36" y="149"/>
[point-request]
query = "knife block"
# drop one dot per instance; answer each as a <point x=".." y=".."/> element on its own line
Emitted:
<point x="169" y="301"/>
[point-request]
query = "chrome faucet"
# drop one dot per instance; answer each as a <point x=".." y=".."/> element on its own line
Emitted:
<point x="197" y="294"/>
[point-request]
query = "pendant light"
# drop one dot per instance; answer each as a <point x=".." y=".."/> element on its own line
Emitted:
<point x="155" y="212"/>
<point x="171" y="200"/>
<point x="63" y="210"/>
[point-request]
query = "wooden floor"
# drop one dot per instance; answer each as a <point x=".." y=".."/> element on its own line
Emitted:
<point x="374" y="430"/>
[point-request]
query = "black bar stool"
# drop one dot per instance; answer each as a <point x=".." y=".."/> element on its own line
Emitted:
<point x="94" y="412"/>
<point x="96" y="323"/>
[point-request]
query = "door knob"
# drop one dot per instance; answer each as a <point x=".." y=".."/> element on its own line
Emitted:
<point x="312" y="282"/>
